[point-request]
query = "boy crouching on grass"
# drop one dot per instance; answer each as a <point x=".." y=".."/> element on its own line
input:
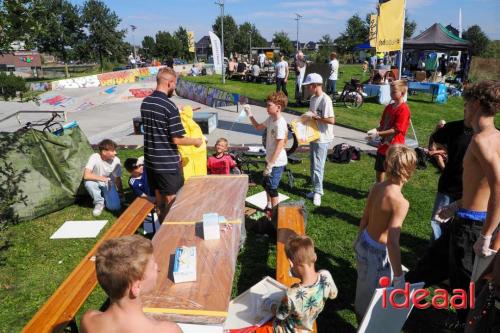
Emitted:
<point x="377" y="245"/>
<point x="125" y="269"/>
<point x="304" y="301"/>
<point x="277" y="133"/>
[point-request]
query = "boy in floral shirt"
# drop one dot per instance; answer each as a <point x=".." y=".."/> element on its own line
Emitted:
<point x="303" y="301"/>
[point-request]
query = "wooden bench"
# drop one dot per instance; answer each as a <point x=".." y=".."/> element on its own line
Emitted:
<point x="290" y="223"/>
<point x="60" y="309"/>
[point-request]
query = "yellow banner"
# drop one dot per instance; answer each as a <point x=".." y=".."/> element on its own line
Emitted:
<point x="191" y="41"/>
<point x="373" y="31"/>
<point x="390" y="26"/>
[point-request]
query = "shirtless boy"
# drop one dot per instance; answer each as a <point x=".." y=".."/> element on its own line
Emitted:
<point x="125" y="269"/>
<point x="477" y="214"/>
<point x="377" y="246"/>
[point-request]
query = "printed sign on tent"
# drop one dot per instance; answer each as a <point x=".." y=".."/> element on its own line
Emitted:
<point x="372" y="36"/>
<point x="191" y="41"/>
<point x="390" y="26"/>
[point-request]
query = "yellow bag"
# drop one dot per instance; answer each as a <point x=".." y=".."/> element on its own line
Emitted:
<point x="305" y="130"/>
<point x="194" y="160"/>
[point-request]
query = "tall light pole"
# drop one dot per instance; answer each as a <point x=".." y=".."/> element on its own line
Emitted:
<point x="220" y="3"/>
<point x="133" y="27"/>
<point x="297" y="18"/>
<point x="250" y="54"/>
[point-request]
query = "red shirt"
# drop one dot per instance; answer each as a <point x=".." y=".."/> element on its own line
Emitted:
<point x="397" y="118"/>
<point x="220" y="165"/>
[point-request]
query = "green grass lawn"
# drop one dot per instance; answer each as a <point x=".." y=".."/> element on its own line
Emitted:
<point x="33" y="266"/>
<point x="425" y="114"/>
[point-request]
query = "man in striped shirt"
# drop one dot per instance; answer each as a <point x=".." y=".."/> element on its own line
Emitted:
<point x="163" y="131"/>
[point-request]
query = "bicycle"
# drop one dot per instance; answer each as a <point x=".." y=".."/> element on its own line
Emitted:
<point x="351" y="95"/>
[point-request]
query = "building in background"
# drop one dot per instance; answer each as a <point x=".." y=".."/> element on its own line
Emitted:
<point x="21" y="62"/>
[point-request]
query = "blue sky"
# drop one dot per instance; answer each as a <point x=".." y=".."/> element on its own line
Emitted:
<point x="319" y="17"/>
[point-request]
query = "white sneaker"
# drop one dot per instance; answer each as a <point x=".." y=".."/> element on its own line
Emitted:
<point x="310" y="195"/>
<point x="98" y="208"/>
<point x="317" y="199"/>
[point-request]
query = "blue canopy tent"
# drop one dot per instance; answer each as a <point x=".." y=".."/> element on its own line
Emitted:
<point x="362" y="46"/>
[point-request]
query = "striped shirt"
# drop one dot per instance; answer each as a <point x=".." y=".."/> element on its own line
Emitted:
<point x="161" y="122"/>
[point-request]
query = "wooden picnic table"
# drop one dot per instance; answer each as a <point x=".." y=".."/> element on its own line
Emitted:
<point x="206" y="300"/>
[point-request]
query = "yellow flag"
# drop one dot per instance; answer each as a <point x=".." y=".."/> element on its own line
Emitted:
<point x="390" y="26"/>
<point x="191" y="41"/>
<point x="373" y="31"/>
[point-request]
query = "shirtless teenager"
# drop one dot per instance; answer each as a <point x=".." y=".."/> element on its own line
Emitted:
<point x="477" y="214"/>
<point x="377" y="246"/>
<point x="125" y="269"/>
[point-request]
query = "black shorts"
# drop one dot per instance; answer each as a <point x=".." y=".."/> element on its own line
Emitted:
<point x="379" y="163"/>
<point x="165" y="183"/>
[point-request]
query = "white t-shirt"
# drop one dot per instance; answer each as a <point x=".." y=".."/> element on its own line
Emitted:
<point x="255" y="70"/>
<point x="281" y="69"/>
<point x="334" y="69"/>
<point x="262" y="58"/>
<point x="276" y="130"/>
<point x="323" y="107"/>
<point x="99" y="167"/>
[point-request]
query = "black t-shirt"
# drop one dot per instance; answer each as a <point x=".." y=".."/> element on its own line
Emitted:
<point x="456" y="137"/>
<point x="162" y="122"/>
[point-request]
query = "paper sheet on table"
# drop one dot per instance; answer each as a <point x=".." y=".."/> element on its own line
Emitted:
<point x="388" y="320"/>
<point x="79" y="229"/>
<point x="259" y="200"/>
<point x="306" y="131"/>
<point x="247" y="309"/>
<point x="191" y="328"/>
<point x="480" y="264"/>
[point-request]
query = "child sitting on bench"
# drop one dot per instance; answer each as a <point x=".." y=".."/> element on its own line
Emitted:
<point x="138" y="182"/>
<point x="125" y="269"/>
<point x="221" y="162"/>
<point x="304" y="301"/>
<point x="377" y="245"/>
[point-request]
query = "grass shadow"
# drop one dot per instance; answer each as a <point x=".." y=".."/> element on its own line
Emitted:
<point x="336" y="188"/>
<point x="343" y="274"/>
<point x="332" y="212"/>
<point x="253" y="260"/>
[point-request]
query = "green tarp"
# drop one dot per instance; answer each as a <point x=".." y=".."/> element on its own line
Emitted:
<point x="53" y="167"/>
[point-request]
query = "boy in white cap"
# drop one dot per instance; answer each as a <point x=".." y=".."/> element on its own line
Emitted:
<point x="321" y="109"/>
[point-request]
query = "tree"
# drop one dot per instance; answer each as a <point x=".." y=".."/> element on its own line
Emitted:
<point x="410" y="27"/>
<point x="148" y="47"/>
<point x="478" y="39"/>
<point x="181" y="35"/>
<point x="167" y="46"/>
<point x="356" y="32"/>
<point x="326" y="46"/>
<point x="17" y="23"/>
<point x="247" y="31"/>
<point x="493" y="50"/>
<point x="281" y="40"/>
<point x="63" y="28"/>
<point x="230" y="32"/>
<point x="104" y="37"/>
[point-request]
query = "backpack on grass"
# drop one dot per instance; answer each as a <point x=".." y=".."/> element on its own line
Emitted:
<point x="344" y="153"/>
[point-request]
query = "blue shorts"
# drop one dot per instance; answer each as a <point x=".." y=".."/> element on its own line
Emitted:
<point x="471" y="215"/>
<point x="272" y="182"/>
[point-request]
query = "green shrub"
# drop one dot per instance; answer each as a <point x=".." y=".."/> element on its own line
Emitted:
<point x="10" y="85"/>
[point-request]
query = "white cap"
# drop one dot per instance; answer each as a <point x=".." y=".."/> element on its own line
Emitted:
<point x="313" y="78"/>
